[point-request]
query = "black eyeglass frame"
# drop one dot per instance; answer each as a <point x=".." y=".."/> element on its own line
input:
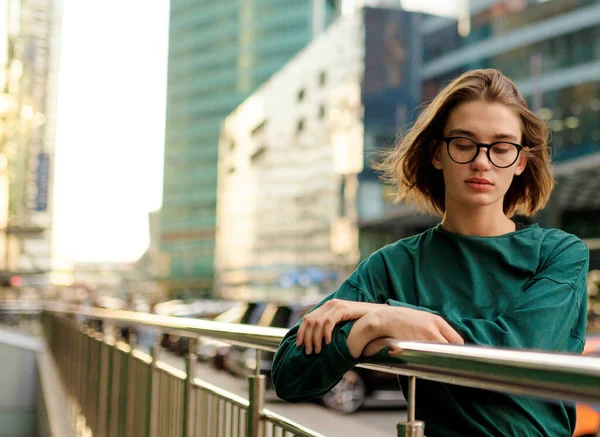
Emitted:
<point x="479" y="147"/>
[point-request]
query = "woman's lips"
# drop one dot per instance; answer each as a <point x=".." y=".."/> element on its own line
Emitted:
<point x="479" y="184"/>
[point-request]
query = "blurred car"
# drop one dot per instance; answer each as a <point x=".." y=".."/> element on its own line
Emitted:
<point x="209" y="349"/>
<point x="362" y="388"/>
<point x="588" y="416"/>
<point x="241" y="361"/>
<point x="203" y="308"/>
<point x="216" y="351"/>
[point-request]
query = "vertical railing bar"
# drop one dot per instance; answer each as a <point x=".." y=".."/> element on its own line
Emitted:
<point x="224" y="419"/>
<point x="162" y="418"/>
<point x="256" y="393"/>
<point x="411" y="428"/>
<point x="230" y="426"/>
<point x="412" y="382"/>
<point x="151" y="401"/>
<point x="208" y="412"/>
<point x="115" y="393"/>
<point x="166" y="401"/>
<point x="109" y="389"/>
<point x="188" y="400"/>
<point x="216" y="416"/>
<point x="123" y="385"/>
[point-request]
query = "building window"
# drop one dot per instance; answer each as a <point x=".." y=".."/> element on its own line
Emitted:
<point x="322" y="111"/>
<point x="257" y="154"/>
<point x="300" y="126"/>
<point x="301" y="94"/>
<point x="260" y="127"/>
<point x="322" y="78"/>
<point x="342" y="199"/>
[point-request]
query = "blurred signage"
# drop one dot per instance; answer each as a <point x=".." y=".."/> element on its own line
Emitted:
<point x="36" y="15"/>
<point x="42" y="180"/>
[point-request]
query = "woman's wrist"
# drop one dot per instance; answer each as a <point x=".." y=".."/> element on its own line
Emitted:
<point x="364" y="330"/>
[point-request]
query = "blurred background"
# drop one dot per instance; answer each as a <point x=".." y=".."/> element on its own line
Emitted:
<point x="202" y="158"/>
<point x="156" y="151"/>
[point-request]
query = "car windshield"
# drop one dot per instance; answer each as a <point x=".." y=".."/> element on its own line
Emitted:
<point x="253" y="313"/>
<point x="233" y="315"/>
<point x="281" y="317"/>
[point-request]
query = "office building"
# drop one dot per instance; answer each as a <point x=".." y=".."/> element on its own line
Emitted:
<point x="29" y="60"/>
<point x="219" y="53"/>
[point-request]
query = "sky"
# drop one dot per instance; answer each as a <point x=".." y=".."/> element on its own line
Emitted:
<point x="110" y="128"/>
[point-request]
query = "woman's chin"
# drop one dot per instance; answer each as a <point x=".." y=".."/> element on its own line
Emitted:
<point x="480" y="199"/>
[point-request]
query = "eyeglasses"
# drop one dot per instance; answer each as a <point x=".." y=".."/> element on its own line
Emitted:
<point x="463" y="150"/>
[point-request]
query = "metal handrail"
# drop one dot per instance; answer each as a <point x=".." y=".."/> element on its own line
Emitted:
<point x="551" y="375"/>
<point x="244" y="335"/>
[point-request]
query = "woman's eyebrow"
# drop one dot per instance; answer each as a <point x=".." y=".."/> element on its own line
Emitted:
<point x="465" y="132"/>
<point x="470" y="134"/>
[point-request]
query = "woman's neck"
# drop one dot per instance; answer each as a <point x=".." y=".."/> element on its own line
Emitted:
<point x="481" y="222"/>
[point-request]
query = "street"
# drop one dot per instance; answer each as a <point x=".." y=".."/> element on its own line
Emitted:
<point x="368" y="422"/>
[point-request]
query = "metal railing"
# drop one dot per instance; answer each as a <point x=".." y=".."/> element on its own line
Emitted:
<point x="124" y="392"/>
<point x="121" y="391"/>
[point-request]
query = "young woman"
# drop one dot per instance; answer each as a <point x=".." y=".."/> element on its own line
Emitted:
<point x="476" y="156"/>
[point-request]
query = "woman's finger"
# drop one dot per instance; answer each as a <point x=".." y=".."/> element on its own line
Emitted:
<point x="317" y="336"/>
<point x="450" y="334"/>
<point x="332" y="319"/>
<point x="300" y="334"/>
<point x="308" y="339"/>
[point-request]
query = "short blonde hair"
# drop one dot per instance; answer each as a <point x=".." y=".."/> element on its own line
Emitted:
<point x="409" y="165"/>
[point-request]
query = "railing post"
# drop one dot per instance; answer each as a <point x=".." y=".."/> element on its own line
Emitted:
<point x="412" y="427"/>
<point x="188" y="398"/>
<point x="256" y="400"/>
<point x="153" y="389"/>
<point x="124" y="359"/>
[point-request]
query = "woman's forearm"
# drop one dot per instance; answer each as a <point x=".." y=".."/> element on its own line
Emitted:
<point x="362" y="333"/>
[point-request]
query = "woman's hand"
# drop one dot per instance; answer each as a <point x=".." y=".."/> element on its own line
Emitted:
<point x="319" y="324"/>
<point x="413" y="325"/>
<point x="398" y="323"/>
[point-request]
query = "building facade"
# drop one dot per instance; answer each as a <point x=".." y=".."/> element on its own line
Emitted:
<point x="292" y="158"/>
<point x="29" y="61"/>
<point x="219" y="52"/>
<point x="297" y="194"/>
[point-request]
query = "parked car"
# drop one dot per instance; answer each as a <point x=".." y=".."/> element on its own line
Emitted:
<point x="588" y="416"/>
<point x="203" y="308"/>
<point x="241" y="361"/>
<point x="207" y="349"/>
<point x="216" y="351"/>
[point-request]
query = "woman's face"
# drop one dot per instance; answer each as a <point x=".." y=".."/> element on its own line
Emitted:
<point x="479" y="183"/>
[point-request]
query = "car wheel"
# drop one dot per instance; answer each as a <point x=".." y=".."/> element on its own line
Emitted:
<point x="348" y="395"/>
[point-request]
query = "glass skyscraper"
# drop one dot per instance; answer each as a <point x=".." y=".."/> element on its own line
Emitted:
<point x="219" y="52"/>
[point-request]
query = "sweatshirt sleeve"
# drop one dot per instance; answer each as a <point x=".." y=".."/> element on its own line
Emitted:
<point x="550" y="314"/>
<point x="299" y="377"/>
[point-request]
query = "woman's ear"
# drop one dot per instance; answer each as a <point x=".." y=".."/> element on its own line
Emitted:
<point x="521" y="164"/>
<point x="436" y="159"/>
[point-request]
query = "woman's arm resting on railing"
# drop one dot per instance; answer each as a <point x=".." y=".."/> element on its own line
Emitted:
<point x="298" y="375"/>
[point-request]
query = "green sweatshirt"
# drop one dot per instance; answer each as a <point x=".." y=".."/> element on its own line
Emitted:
<point x="525" y="289"/>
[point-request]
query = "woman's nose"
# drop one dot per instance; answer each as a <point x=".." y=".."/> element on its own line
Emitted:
<point x="482" y="160"/>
